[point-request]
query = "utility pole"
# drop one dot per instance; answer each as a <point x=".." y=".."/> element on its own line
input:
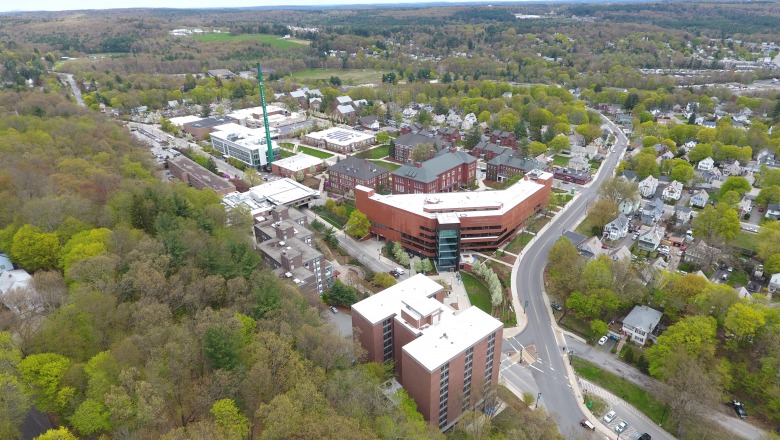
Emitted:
<point x="265" y="118"/>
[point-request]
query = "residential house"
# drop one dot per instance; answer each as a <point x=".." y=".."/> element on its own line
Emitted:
<point x="774" y="283"/>
<point x="673" y="192"/>
<point x="220" y="73"/>
<point x="745" y="205"/>
<point x="682" y="214"/>
<point x="617" y="228"/>
<point x="346" y="113"/>
<point x="454" y="120"/>
<point x="773" y="211"/>
<point x="340" y="100"/>
<point x="732" y="169"/>
<point x="650" y="240"/>
<point x="628" y="175"/>
<point x="571" y="175"/>
<point x="347" y="173"/>
<point x="405" y="143"/>
<point x="506" y="166"/>
<point x="488" y="150"/>
<point x="709" y="176"/>
<point x="648" y="187"/>
<point x="621" y="253"/>
<point x="505" y="138"/>
<point x="640" y="323"/>
<point x="315" y="103"/>
<point x="700" y="199"/>
<point x="451" y="135"/>
<point x="446" y="172"/>
<point x="369" y="122"/>
<point x="701" y="254"/>
<point x="468" y="122"/>
<point x="591" y="248"/>
<point x="653" y="212"/>
<point x="628" y="206"/>
<point x="706" y="164"/>
<point x="579" y="163"/>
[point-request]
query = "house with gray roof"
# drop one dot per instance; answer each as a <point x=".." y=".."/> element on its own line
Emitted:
<point x="352" y="171"/>
<point x="653" y="211"/>
<point x="488" y="150"/>
<point x="618" y="228"/>
<point x="650" y="240"/>
<point x="506" y="166"/>
<point x="447" y="171"/>
<point x="405" y="143"/>
<point x="640" y="323"/>
<point x="700" y="199"/>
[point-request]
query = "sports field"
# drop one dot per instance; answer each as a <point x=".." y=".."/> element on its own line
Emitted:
<point x="355" y="76"/>
<point x="273" y="40"/>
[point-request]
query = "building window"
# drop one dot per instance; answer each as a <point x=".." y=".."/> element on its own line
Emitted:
<point x="444" y="386"/>
<point x="387" y="339"/>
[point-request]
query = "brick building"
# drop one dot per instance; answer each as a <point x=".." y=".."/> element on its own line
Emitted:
<point x="405" y="143"/>
<point x="449" y="134"/>
<point x="506" y="166"/>
<point x="339" y="139"/>
<point x="350" y="172"/>
<point x="446" y="362"/>
<point x="504" y="138"/>
<point x="202" y="127"/>
<point x="488" y="151"/>
<point x="293" y="165"/>
<point x="571" y="175"/>
<point x="447" y="171"/>
<point x="440" y="226"/>
<point x="288" y="248"/>
<point x="186" y="170"/>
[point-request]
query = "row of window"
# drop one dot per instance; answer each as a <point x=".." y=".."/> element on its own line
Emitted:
<point x="444" y="386"/>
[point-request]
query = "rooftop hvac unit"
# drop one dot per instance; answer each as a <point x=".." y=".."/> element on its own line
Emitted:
<point x="281" y="243"/>
<point x="288" y="275"/>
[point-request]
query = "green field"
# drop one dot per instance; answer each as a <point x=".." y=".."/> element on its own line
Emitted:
<point x="390" y="166"/>
<point x="375" y="153"/>
<point x="313" y="152"/>
<point x="362" y="76"/>
<point x="639" y="398"/>
<point x="273" y="40"/>
<point x="479" y="296"/>
<point x="560" y="161"/>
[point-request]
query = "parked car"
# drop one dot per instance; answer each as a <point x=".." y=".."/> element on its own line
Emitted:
<point x="333" y="309"/>
<point x="636" y="236"/>
<point x="739" y="409"/>
<point x="621" y="427"/>
<point x="644" y="436"/>
<point x="557" y="307"/>
<point x="394" y="273"/>
<point x="603" y="340"/>
<point x="608" y="417"/>
<point x="585" y="423"/>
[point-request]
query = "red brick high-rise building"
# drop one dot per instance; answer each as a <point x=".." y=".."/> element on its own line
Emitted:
<point x="447" y="362"/>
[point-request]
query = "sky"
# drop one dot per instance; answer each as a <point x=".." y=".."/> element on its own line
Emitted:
<point x="62" y="5"/>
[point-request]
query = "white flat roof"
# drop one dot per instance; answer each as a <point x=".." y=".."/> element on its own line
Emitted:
<point x="377" y="307"/>
<point x="181" y="120"/>
<point x="341" y="136"/>
<point x="249" y="138"/>
<point x="245" y="113"/>
<point x="440" y="343"/>
<point x="282" y="192"/>
<point x="298" y="162"/>
<point x="463" y="204"/>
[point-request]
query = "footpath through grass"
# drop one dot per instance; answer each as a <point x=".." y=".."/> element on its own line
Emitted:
<point x="639" y="398"/>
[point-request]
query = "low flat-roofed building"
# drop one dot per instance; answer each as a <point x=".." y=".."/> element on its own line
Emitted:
<point x="186" y="170"/>
<point x="292" y="166"/>
<point x="261" y="199"/>
<point x="243" y="143"/>
<point x="441" y="225"/>
<point x="277" y="117"/>
<point x="201" y="127"/>
<point x="442" y="358"/>
<point x="288" y="248"/>
<point x="339" y="139"/>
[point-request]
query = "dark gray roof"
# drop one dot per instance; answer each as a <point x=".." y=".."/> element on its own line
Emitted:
<point x="432" y="168"/>
<point x="515" y="162"/>
<point x="629" y="175"/>
<point x="367" y="120"/>
<point x="360" y="169"/>
<point x="412" y="140"/>
<point x="488" y="146"/>
<point x="575" y="237"/>
<point x="211" y="122"/>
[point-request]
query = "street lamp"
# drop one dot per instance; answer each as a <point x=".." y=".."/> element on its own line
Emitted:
<point x="538" y="396"/>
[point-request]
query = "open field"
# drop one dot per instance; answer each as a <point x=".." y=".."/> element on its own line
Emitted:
<point x="313" y="152"/>
<point x="390" y="166"/>
<point x="363" y="76"/>
<point x="273" y="40"/>
<point x="375" y="153"/>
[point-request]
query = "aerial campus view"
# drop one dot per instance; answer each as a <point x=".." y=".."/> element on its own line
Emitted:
<point x="454" y="221"/>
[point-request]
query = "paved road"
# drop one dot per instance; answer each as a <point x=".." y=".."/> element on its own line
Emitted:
<point x="76" y="92"/>
<point x="550" y="372"/>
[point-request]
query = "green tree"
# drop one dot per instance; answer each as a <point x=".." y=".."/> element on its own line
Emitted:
<point x="598" y="328"/>
<point x="382" y="137"/>
<point x="559" y="143"/>
<point x="221" y="347"/>
<point x="735" y="183"/>
<point x="717" y="222"/>
<point x="422" y="152"/>
<point x="484" y="117"/>
<point x="589" y="132"/>
<point x="473" y="138"/>
<point x="426" y="265"/>
<point x="769" y="194"/>
<point x="693" y="335"/>
<point x="508" y="121"/>
<point x="230" y="419"/>
<point x="14" y="404"/>
<point x="619" y="189"/>
<point x="341" y="295"/>
<point x="44" y="373"/>
<point x="34" y="249"/>
<point x="601" y="213"/>
<point x="682" y="172"/>
<point x="645" y="165"/>
<point x="61" y="433"/>
<point x="383" y="280"/>
<point x="85" y="244"/>
<point x="744" y="320"/>
<point x="700" y="152"/>
<point x="536" y="148"/>
<point x="358" y="224"/>
<point x="91" y="417"/>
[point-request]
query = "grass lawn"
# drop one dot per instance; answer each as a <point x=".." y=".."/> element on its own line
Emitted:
<point x="375" y="153"/>
<point x="356" y="76"/>
<point x="273" y="40"/>
<point x="287" y="145"/>
<point x="585" y="227"/>
<point x="738" y="279"/>
<point x="390" y="166"/>
<point x="639" y="398"/>
<point x="286" y="153"/>
<point x="313" y="152"/>
<point x="747" y="240"/>
<point x="595" y="164"/>
<point x="479" y="296"/>
<point x="518" y="243"/>
<point x="576" y="325"/>
<point x="560" y="161"/>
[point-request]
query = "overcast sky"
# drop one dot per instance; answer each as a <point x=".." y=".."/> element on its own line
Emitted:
<point x="61" y="5"/>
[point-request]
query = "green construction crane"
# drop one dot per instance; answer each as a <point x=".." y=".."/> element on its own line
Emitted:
<point x="265" y="118"/>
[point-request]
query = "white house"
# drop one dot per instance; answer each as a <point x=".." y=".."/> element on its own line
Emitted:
<point x="628" y="207"/>
<point x="672" y="192"/>
<point x="468" y="121"/>
<point x="700" y="199"/>
<point x="648" y="187"/>
<point x="732" y="169"/>
<point x="578" y="163"/>
<point x="640" y="323"/>
<point x="618" y="228"/>
<point x="683" y="214"/>
<point x="651" y="239"/>
<point x="773" y="211"/>
<point x="774" y="282"/>
<point x="706" y="164"/>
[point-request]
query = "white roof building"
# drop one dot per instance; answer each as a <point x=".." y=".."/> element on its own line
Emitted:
<point x="299" y="162"/>
<point x="263" y="198"/>
<point x="641" y="322"/>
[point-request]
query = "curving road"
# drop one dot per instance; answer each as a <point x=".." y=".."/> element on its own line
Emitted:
<point x="73" y="86"/>
<point x="557" y="394"/>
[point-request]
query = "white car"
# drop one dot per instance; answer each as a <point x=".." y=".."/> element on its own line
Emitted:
<point x="603" y="340"/>
<point x="608" y="417"/>
<point x="621" y="427"/>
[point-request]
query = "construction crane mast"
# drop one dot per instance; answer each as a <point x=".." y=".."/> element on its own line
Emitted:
<point x="265" y="118"/>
